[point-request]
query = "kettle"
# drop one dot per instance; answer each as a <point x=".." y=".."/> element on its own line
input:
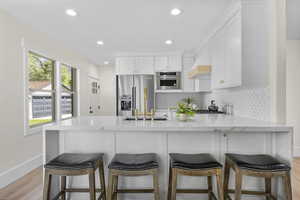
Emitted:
<point x="213" y="107"/>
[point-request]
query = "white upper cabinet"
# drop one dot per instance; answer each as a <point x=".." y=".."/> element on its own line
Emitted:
<point x="168" y="63"/>
<point x="161" y="63"/>
<point x="135" y="65"/>
<point x="233" y="51"/>
<point x="226" y="54"/>
<point x="188" y="84"/>
<point x="218" y="60"/>
<point x="144" y="65"/>
<point x="175" y="63"/>
<point x="125" y="65"/>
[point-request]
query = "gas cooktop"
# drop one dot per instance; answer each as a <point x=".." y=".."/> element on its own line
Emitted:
<point x="208" y="112"/>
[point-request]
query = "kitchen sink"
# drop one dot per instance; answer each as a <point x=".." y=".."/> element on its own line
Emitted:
<point x="147" y="118"/>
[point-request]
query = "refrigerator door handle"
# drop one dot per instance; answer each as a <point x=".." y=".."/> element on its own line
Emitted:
<point x="133" y="100"/>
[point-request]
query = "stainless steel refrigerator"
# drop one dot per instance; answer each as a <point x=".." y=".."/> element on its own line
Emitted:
<point x="134" y="92"/>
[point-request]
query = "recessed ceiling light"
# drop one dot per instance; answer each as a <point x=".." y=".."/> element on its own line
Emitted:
<point x="169" y="42"/>
<point x="100" y="42"/>
<point x="106" y="62"/>
<point x="71" y="12"/>
<point x="176" y="11"/>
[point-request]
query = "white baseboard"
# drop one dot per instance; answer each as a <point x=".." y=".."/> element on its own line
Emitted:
<point x="296" y="151"/>
<point x="18" y="171"/>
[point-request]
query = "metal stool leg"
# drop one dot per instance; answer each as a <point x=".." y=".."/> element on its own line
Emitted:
<point x="47" y="185"/>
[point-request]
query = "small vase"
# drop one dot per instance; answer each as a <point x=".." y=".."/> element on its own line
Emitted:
<point x="182" y="117"/>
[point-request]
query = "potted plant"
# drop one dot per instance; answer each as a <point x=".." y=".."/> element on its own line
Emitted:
<point x="184" y="111"/>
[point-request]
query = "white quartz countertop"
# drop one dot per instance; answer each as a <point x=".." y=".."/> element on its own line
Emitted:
<point x="200" y="123"/>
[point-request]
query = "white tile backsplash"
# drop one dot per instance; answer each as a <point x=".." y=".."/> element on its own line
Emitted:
<point x="247" y="102"/>
<point x="166" y="100"/>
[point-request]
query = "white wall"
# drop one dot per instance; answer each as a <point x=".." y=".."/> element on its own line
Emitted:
<point x="15" y="148"/>
<point x="293" y="90"/>
<point x="107" y="90"/>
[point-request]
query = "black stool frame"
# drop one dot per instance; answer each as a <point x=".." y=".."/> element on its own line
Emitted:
<point x="64" y="173"/>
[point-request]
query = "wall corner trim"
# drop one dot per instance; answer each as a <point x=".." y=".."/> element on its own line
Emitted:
<point x="9" y="176"/>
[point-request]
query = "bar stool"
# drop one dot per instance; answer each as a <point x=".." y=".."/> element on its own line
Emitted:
<point x="264" y="166"/>
<point x="132" y="165"/>
<point x="70" y="164"/>
<point x="194" y="165"/>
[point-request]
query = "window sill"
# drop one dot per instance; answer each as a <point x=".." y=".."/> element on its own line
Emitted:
<point x="34" y="131"/>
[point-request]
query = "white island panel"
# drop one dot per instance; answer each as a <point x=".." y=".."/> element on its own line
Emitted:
<point x="206" y="134"/>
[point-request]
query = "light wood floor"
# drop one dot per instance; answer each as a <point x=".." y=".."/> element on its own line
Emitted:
<point x="30" y="186"/>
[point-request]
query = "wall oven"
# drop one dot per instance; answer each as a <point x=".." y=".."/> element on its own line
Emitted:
<point x="168" y="80"/>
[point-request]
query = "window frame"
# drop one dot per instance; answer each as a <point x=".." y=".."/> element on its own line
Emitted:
<point x="56" y="91"/>
<point x="73" y="91"/>
<point x="28" y="130"/>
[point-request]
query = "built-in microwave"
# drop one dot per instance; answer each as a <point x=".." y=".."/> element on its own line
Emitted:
<point x="168" y="80"/>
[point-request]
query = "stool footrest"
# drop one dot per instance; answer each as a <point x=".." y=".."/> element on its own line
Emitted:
<point x="251" y="193"/>
<point x="135" y="191"/>
<point x="80" y="190"/>
<point x="196" y="191"/>
<point x="192" y="191"/>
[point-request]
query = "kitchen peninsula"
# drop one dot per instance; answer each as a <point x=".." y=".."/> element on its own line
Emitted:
<point x="211" y="133"/>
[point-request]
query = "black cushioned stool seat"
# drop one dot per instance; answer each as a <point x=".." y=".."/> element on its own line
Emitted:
<point x="74" y="161"/>
<point x="134" y="162"/>
<point x="256" y="165"/>
<point x="258" y="162"/>
<point x="193" y="161"/>
<point x="75" y="164"/>
<point x="132" y="165"/>
<point x="202" y="164"/>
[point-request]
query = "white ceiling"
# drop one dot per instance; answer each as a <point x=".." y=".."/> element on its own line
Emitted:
<point x="123" y="25"/>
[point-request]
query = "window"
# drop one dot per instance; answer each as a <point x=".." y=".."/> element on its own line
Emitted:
<point x="41" y="90"/>
<point x="68" y="91"/>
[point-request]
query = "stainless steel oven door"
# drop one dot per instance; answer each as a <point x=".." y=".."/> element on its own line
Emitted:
<point x="168" y="80"/>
